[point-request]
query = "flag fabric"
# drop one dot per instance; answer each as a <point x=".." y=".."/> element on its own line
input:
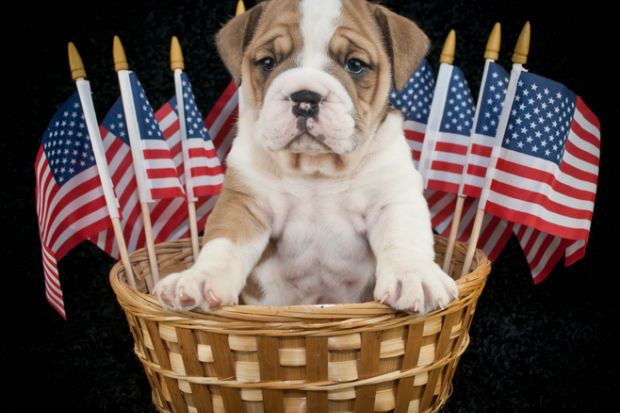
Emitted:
<point x="494" y="233"/>
<point x="221" y="121"/>
<point x="414" y="101"/>
<point x="544" y="171"/>
<point x="491" y="101"/>
<point x="204" y="167"/>
<point x="70" y="203"/>
<point x="448" y="133"/>
<point x="167" y="215"/>
<point x="153" y="155"/>
<point x="168" y="120"/>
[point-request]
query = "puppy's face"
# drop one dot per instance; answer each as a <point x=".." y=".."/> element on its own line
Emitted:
<point x="317" y="74"/>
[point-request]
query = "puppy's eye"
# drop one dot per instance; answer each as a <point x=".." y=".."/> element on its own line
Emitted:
<point x="355" y="66"/>
<point x="267" y="64"/>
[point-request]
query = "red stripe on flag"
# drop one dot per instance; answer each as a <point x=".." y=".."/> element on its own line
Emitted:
<point x="585" y="135"/>
<point x="581" y="154"/>
<point x="202" y="152"/>
<point x="539" y="199"/>
<point x="162" y="112"/>
<point x="581" y="175"/>
<point x="551" y="263"/>
<point x="205" y="171"/>
<point x="535" y="221"/>
<point x="160" y="193"/>
<point x="451" y="148"/>
<point x="156" y="153"/>
<point x="83" y="235"/>
<point x="444" y="166"/>
<point x="588" y="114"/>
<point x="414" y="135"/>
<point x="476" y="170"/>
<point x="226" y="128"/>
<point x="207" y="190"/>
<point x="172" y="129"/>
<point x="544" y="177"/>
<point x="481" y="150"/>
<point x="442" y="186"/>
<point x="161" y="173"/>
<point x="219" y="106"/>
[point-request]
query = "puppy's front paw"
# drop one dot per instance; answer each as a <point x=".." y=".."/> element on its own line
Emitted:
<point x="195" y="289"/>
<point x="420" y="289"/>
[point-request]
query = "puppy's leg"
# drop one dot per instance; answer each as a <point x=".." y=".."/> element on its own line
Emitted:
<point x="400" y="235"/>
<point x="236" y="234"/>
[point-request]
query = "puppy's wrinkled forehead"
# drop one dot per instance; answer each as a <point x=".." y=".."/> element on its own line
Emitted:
<point x="277" y="35"/>
<point x="318" y="22"/>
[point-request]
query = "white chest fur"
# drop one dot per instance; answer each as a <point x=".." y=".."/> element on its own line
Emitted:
<point x="322" y="252"/>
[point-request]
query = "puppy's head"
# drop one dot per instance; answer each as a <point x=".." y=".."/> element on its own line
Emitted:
<point x="317" y="75"/>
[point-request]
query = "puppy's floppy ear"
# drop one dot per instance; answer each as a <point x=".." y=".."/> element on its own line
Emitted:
<point x="234" y="37"/>
<point x="405" y="43"/>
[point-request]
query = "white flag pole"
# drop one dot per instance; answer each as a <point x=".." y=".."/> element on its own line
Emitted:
<point x="436" y="111"/>
<point x="131" y="118"/>
<point x="90" y="118"/>
<point x="177" y="65"/>
<point x="519" y="58"/>
<point x="491" y="54"/>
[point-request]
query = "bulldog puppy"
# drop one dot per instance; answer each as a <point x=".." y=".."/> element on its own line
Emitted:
<point x="321" y="202"/>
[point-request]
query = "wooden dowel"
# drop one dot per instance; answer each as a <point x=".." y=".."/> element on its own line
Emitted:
<point x="473" y="241"/>
<point x="122" y="250"/>
<point x="193" y="229"/>
<point x="454" y="230"/>
<point x="150" y="246"/>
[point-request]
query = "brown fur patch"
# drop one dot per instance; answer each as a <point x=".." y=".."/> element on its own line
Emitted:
<point x="237" y="215"/>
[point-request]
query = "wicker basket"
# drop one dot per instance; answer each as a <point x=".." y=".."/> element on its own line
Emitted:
<point x="320" y="358"/>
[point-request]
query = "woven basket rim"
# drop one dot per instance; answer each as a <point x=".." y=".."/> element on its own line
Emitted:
<point x="148" y="306"/>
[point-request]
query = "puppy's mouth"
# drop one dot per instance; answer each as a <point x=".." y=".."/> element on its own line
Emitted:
<point x="307" y="143"/>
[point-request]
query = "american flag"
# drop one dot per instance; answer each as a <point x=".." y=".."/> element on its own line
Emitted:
<point x="491" y="101"/>
<point x="204" y="167"/>
<point x="494" y="233"/>
<point x="70" y="206"/>
<point x="543" y="251"/>
<point x="167" y="215"/>
<point x="448" y="132"/>
<point x="221" y="121"/>
<point x="414" y="101"/>
<point x="152" y="157"/>
<point x="544" y="174"/>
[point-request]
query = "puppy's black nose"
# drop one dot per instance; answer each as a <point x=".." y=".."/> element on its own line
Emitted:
<point x="305" y="103"/>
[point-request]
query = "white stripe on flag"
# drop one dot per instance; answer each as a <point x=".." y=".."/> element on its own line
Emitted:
<point x="538" y="186"/>
<point x="84" y="222"/>
<point x="584" y="123"/>
<point x="223" y="116"/>
<point x="538" y="210"/>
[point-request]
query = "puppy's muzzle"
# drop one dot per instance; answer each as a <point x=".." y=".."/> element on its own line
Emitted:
<point x="306" y="103"/>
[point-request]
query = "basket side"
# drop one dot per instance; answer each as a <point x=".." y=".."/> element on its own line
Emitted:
<point x="352" y="357"/>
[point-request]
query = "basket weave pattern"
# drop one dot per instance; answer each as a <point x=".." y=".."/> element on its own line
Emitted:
<point x="327" y="358"/>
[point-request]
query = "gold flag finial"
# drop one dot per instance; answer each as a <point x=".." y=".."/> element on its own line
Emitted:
<point x="240" y="8"/>
<point x="120" y="60"/>
<point x="522" y="49"/>
<point x="494" y="43"/>
<point x="176" y="55"/>
<point x="75" y="63"/>
<point x="449" y="48"/>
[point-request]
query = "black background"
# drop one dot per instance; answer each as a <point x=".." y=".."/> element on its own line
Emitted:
<point x="551" y="347"/>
